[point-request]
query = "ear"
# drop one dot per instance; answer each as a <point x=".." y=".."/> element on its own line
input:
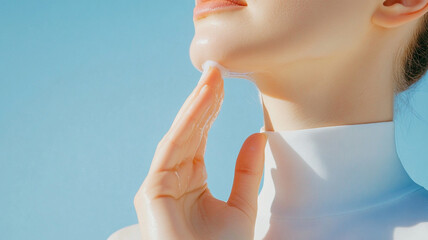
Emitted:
<point x="393" y="13"/>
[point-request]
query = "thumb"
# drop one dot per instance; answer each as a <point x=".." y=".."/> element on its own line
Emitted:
<point x="248" y="174"/>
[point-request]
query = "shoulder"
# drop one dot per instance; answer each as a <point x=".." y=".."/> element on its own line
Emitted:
<point x="131" y="232"/>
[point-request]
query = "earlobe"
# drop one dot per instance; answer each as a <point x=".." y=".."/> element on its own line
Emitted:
<point x="393" y="13"/>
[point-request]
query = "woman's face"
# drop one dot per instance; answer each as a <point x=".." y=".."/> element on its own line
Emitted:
<point x="268" y="34"/>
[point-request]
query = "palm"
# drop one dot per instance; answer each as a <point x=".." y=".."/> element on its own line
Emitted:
<point x="219" y="220"/>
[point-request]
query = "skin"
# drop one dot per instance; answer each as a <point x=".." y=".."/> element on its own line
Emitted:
<point x="349" y="47"/>
<point x="174" y="201"/>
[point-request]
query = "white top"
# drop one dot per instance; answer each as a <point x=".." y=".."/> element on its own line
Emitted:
<point x="337" y="182"/>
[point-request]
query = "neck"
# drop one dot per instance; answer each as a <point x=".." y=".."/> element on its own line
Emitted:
<point x="353" y="86"/>
<point x="318" y="166"/>
<point x="332" y="170"/>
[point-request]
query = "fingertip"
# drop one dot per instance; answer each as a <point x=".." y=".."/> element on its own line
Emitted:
<point x="265" y="137"/>
<point x="215" y="69"/>
<point x="262" y="137"/>
<point x="255" y="142"/>
<point x="210" y="63"/>
<point x="215" y="73"/>
<point x="214" y="77"/>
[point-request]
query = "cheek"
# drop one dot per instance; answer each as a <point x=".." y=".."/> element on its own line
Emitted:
<point x="299" y="29"/>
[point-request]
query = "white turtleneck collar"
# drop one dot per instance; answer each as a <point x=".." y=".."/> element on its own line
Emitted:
<point x="316" y="172"/>
<point x="318" y="181"/>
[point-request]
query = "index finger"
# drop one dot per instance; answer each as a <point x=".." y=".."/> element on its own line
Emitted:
<point x="172" y="149"/>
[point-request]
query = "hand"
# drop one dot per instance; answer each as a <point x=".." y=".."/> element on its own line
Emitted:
<point x="174" y="201"/>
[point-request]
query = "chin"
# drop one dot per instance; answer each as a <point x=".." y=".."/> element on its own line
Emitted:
<point x="201" y="51"/>
<point x="226" y="53"/>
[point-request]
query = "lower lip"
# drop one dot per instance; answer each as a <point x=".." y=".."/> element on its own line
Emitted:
<point x="206" y="8"/>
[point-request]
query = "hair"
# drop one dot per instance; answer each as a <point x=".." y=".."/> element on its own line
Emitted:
<point x="413" y="66"/>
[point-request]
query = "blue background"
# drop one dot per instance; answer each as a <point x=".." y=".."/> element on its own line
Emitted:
<point x="87" y="90"/>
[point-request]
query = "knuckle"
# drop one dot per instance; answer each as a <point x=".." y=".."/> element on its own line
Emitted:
<point x="243" y="205"/>
<point x="160" y="145"/>
<point x="193" y="119"/>
<point x="163" y="184"/>
<point x="173" y="141"/>
<point x="137" y="200"/>
<point x="138" y="197"/>
<point x="248" y="171"/>
<point x="162" y="141"/>
<point x="169" y="141"/>
<point x="143" y="191"/>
